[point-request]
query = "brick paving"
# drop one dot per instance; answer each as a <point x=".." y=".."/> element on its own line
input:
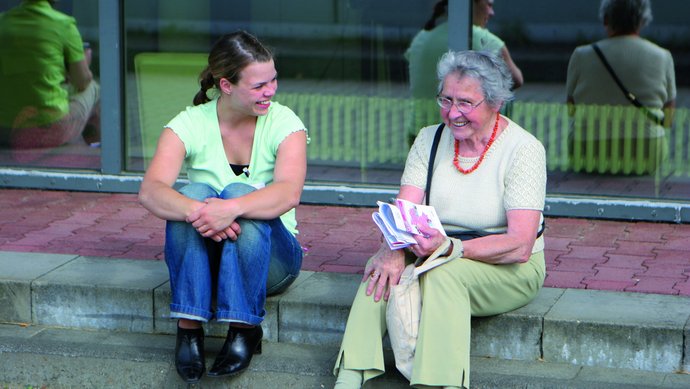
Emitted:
<point x="580" y="253"/>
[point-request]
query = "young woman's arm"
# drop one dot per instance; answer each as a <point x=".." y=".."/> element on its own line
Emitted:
<point x="266" y="203"/>
<point x="515" y="71"/>
<point x="156" y="192"/>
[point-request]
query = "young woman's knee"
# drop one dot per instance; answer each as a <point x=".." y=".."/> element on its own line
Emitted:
<point x="236" y="189"/>
<point x="198" y="191"/>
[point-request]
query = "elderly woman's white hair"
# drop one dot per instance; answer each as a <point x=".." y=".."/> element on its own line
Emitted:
<point x="625" y="16"/>
<point x="490" y="70"/>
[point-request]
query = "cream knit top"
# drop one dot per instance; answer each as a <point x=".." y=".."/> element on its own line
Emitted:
<point x="511" y="176"/>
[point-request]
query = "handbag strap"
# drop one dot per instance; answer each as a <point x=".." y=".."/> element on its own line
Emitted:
<point x="629" y="95"/>
<point x="472" y="234"/>
<point x="432" y="158"/>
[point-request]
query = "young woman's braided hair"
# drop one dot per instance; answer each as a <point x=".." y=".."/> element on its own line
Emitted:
<point x="440" y="9"/>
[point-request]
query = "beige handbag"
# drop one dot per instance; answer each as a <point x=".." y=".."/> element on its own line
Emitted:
<point x="405" y="307"/>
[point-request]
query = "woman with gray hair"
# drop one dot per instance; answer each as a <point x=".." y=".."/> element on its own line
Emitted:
<point x="642" y="66"/>
<point x="643" y="69"/>
<point x="488" y="184"/>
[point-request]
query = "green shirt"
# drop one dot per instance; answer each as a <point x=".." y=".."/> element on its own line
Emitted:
<point x="198" y="128"/>
<point x="426" y="50"/>
<point x="37" y="44"/>
<point x="485" y="40"/>
<point x="644" y="68"/>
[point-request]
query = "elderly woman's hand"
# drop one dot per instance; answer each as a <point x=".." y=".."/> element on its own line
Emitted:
<point x="383" y="271"/>
<point x="429" y="240"/>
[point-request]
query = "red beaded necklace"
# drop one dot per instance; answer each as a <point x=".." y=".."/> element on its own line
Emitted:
<point x="481" y="157"/>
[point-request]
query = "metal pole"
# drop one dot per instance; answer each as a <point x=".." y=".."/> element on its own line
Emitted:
<point x="111" y="70"/>
<point x="459" y="24"/>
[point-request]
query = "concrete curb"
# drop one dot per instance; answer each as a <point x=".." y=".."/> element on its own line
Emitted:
<point x="574" y="327"/>
<point x="39" y="356"/>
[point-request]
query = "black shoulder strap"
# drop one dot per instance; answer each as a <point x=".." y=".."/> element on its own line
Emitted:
<point x="626" y="92"/>
<point x="432" y="157"/>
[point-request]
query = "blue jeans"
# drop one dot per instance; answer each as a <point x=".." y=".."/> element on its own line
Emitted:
<point x="265" y="259"/>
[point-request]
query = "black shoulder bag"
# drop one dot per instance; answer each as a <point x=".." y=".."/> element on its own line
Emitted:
<point x="464" y="235"/>
<point x="629" y="95"/>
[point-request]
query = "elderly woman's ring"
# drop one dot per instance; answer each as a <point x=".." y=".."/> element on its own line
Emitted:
<point x="375" y="274"/>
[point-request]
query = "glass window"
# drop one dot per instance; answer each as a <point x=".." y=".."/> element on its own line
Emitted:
<point x="345" y="69"/>
<point x="341" y="69"/>
<point x="603" y="145"/>
<point x="50" y="90"/>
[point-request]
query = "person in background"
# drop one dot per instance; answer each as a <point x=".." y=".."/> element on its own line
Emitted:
<point x="230" y="233"/>
<point x="644" y="69"/>
<point x="431" y="43"/>
<point x="485" y="40"/>
<point x="427" y="46"/>
<point x="489" y="175"/>
<point x="48" y="92"/>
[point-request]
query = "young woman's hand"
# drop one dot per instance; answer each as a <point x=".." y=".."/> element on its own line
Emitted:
<point x="214" y="220"/>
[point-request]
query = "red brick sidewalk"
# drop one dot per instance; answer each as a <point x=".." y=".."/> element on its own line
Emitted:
<point x="580" y="253"/>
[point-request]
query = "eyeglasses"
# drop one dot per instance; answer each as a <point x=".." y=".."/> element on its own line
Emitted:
<point x="462" y="106"/>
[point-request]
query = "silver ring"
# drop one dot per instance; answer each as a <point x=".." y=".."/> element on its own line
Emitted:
<point x="375" y="274"/>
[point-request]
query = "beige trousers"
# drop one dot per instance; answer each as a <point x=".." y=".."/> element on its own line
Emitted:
<point x="82" y="106"/>
<point x="451" y="294"/>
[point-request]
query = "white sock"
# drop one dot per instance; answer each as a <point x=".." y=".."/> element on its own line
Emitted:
<point x="348" y="379"/>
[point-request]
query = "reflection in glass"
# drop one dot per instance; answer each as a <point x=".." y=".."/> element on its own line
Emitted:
<point x="618" y="129"/>
<point x="50" y="95"/>
<point x="342" y="69"/>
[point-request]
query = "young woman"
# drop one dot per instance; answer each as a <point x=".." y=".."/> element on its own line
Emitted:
<point x="230" y="233"/>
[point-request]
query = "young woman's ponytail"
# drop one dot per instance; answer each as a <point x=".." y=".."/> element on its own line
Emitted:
<point x="206" y="83"/>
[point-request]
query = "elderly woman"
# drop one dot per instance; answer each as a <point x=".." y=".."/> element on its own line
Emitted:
<point x="489" y="175"/>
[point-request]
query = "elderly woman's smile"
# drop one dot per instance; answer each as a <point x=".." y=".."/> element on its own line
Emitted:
<point x="463" y="107"/>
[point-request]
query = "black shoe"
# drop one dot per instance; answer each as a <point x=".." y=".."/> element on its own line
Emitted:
<point x="189" y="354"/>
<point x="239" y="347"/>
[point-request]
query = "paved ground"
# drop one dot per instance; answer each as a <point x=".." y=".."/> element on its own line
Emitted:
<point x="581" y="253"/>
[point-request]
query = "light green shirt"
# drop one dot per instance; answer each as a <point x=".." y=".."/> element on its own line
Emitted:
<point x="206" y="161"/>
<point x="485" y="40"/>
<point x="644" y="68"/>
<point x="37" y="44"/>
<point x="426" y="50"/>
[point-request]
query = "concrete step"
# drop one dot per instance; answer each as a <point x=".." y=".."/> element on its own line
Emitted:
<point x="39" y="356"/>
<point x="643" y="332"/>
